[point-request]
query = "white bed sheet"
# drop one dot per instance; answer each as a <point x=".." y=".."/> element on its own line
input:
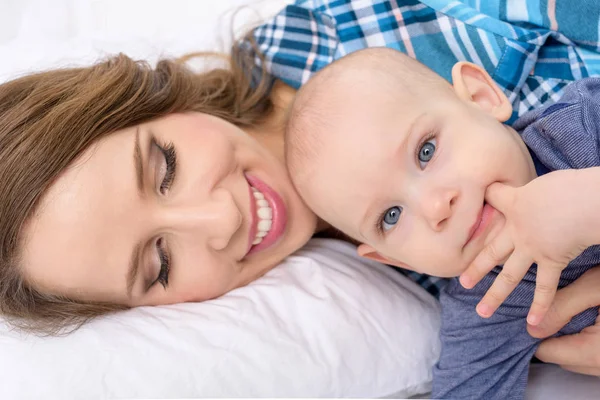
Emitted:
<point x="550" y="382"/>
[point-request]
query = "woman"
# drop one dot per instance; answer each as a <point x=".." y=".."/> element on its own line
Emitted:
<point x="127" y="186"/>
<point x="114" y="197"/>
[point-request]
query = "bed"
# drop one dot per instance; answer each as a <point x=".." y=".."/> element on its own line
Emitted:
<point x="323" y="324"/>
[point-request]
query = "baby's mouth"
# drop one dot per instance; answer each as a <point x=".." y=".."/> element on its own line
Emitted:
<point x="475" y="225"/>
<point x="484" y="216"/>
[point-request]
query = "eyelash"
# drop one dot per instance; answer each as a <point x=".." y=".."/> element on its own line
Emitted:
<point x="379" y="222"/>
<point x="379" y="219"/>
<point x="168" y="151"/>
<point x="163" y="275"/>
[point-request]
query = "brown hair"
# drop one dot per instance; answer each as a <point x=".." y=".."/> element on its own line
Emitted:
<point x="48" y="119"/>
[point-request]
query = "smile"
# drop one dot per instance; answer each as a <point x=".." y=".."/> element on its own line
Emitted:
<point x="268" y="216"/>
<point x="264" y="214"/>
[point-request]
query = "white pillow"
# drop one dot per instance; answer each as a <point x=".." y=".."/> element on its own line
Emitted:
<point x="324" y="323"/>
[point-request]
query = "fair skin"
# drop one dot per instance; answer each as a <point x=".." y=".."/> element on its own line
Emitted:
<point x="549" y="221"/>
<point x="188" y="224"/>
<point x="418" y="193"/>
<point x="579" y="352"/>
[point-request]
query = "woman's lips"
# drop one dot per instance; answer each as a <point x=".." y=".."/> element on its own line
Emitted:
<point x="481" y="223"/>
<point x="279" y="219"/>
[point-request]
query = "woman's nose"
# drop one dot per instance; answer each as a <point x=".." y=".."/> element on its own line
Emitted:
<point x="215" y="219"/>
<point x="437" y="207"/>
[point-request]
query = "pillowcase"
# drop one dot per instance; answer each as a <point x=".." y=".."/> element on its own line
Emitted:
<point x="324" y="323"/>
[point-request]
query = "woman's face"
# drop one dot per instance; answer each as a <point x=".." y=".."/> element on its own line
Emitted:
<point x="184" y="208"/>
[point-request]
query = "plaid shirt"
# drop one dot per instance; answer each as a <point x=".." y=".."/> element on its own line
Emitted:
<point x="531" y="48"/>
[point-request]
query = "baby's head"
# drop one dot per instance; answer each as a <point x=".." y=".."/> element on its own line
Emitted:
<point x="391" y="154"/>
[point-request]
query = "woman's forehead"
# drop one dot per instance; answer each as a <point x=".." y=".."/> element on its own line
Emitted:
<point x="76" y="237"/>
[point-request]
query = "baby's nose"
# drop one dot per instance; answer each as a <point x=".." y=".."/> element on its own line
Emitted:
<point x="438" y="207"/>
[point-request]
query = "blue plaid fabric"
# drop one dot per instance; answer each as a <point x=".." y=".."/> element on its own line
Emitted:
<point x="532" y="48"/>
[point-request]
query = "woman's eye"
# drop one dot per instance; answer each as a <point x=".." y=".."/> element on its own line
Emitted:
<point x="165" y="266"/>
<point x="390" y="218"/>
<point x="168" y="168"/>
<point x="426" y="152"/>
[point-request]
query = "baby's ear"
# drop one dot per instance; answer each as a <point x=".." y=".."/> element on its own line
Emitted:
<point x="366" y="251"/>
<point x="474" y="85"/>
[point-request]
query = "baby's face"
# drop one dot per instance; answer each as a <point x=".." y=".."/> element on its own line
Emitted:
<point x="407" y="175"/>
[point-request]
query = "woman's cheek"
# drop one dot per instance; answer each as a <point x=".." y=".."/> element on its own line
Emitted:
<point x="202" y="285"/>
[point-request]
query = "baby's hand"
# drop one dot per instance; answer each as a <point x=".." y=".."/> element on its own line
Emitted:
<point x="543" y="225"/>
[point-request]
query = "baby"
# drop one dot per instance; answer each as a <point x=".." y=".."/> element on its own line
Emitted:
<point x="427" y="177"/>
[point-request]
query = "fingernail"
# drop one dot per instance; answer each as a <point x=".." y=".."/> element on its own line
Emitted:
<point x="466" y="282"/>
<point x="484" y="310"/>
<point x="534" y="330"/>
<point x="533" y="319"/>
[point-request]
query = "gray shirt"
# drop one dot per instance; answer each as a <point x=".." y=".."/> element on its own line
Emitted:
<point x="489" y="358"/>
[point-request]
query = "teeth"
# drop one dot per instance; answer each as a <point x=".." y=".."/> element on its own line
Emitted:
<point x="264" y="214"/>
<point x="264" y="225"/>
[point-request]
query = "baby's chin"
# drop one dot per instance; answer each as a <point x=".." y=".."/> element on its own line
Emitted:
<point x="449" y="271"/>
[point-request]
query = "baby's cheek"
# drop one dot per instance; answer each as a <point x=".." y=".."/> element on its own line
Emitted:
<point x="459" y="267"/>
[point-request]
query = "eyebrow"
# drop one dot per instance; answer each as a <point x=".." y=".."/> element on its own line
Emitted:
<point x="138" y="162"/>
<point x="134" y="263"/>
<point x="134" y="266"/>
<point x="372" y="209"/>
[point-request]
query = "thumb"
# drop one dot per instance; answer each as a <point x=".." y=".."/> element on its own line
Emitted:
<point x="499" y="196"/>
<point x="569" y="301"/>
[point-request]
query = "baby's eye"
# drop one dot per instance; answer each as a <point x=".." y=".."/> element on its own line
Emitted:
<point x="426" y="152"/>
<point x="390" y="217"/>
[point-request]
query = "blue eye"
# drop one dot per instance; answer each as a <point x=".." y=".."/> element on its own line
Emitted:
<point x="426" y="152"/>
<point x="390" y="218"/>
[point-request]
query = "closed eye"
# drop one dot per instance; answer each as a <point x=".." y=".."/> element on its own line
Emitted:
<point x="170" y="158"/>
<point x="165" y="264"/>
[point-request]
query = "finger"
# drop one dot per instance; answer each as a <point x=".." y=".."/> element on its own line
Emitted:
<point x="574" y="349"/>
<point x="546" y="284"/>
<point x="568" y="302"/>
<point x="500" y="196"/>
<point x="582" y="370"/>
<point x="492" y="255"/>
<point x="512" y="272"/>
